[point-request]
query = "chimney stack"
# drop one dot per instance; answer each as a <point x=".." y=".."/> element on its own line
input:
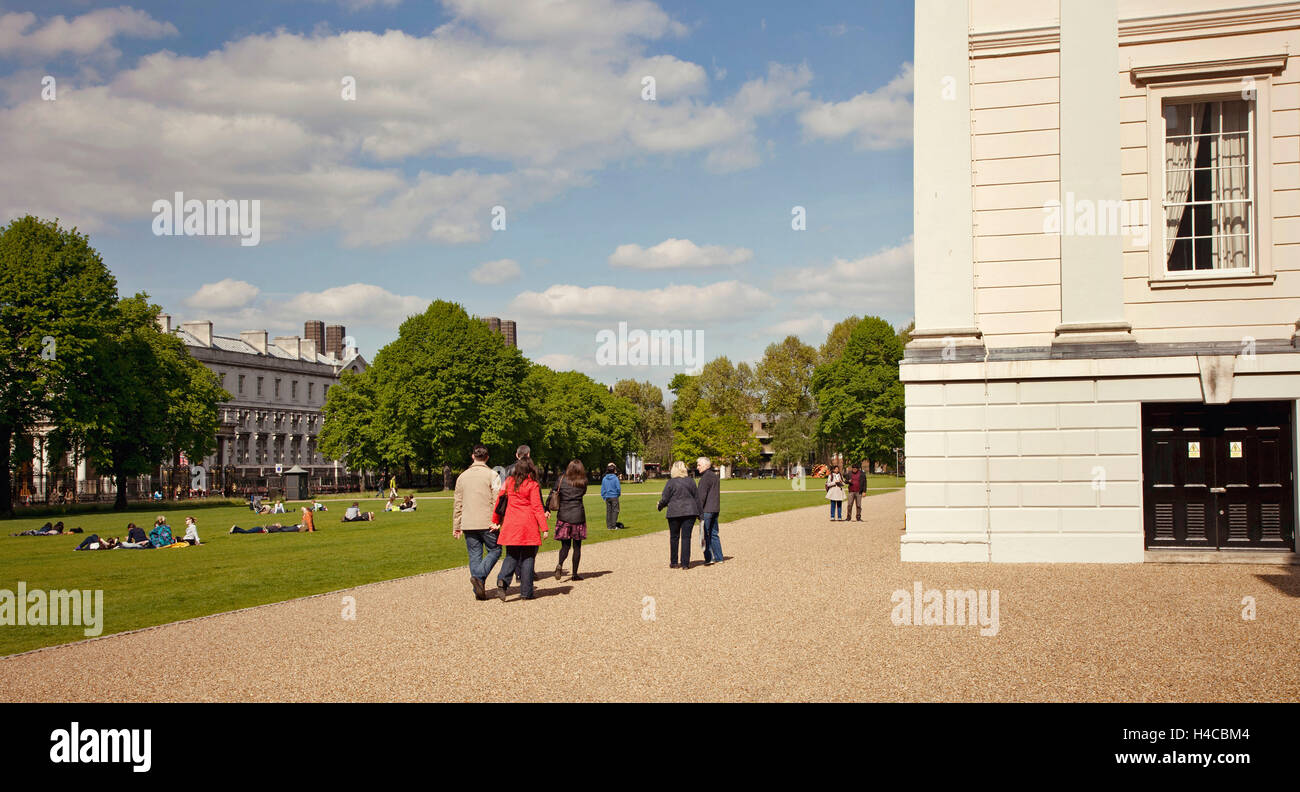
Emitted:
<point x="165" y="322"/>
<point x="290" y="344"/>
<point x="200" y="330"/>
<point x="254" y="338"/>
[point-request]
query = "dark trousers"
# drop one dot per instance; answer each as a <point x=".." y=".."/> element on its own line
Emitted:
<point x="679" y="535"/>
<point x="611" y="512"/>
<point x="519" y="560"/>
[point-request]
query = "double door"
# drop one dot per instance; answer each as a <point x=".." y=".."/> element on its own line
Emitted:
<point x="1218" y="476"/>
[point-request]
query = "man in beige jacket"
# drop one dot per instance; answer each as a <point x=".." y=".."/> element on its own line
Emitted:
<point x="471" y="517"/>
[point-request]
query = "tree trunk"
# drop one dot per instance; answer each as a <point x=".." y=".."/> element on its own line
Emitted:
<point x="6" y="486"/>
<point x="120" y="503"/>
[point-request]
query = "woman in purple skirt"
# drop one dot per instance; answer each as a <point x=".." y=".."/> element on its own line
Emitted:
<point x="570" y="516"/>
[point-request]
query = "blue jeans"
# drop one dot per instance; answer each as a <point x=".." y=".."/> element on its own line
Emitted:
<point x="712" y="543"/>
<point x="837" y="509"/>
<point x="480" y="566"/>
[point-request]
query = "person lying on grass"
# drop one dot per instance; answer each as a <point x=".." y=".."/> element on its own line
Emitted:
<point x="93" y="542"/>
<point x="272" y="528"/>
<point x="44" y="530"/>
<point x="354" y="514"/>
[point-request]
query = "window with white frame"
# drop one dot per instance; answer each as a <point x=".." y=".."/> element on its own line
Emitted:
<point x="1209" y="178"/>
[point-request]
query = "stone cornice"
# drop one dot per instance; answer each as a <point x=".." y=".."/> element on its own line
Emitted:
<point x="1146" y="30"/>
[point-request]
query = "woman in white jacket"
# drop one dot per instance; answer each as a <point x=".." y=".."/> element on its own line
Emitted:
<point x="835" y="493"/>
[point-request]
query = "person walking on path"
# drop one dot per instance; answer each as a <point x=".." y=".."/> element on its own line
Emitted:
<point x="835" y="493"/>
<point x="471" y="517"/>
<point x="570" y="515"/>
<point x="522" y="528"/>
<point x="679" y="499"/>
<point x="857" y="489"/>
<point x="707" y="496"/>
<point x="610" y="490"/>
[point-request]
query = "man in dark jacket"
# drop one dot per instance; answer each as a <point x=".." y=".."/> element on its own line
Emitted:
<point x="707" y="495"/>
<point x="857" y="488"/>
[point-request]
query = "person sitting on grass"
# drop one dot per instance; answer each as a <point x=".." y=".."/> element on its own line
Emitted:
<point x="161" y="535"/>
<point x="408" y="505"/>
<point x="191" y="532"/>
<point x="391" y="505"/>
<point x="279" y="507"/>
<point x="135" y="538"/>
<point x="354" y="514"/>
<point x="308" y="520"/>
<point x="318" y="506"/>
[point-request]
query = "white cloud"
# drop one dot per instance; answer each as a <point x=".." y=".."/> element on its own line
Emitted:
<point x="575" y="21"/>
<point x="880" y="119"/>
<point x="357" y="303"/>
<point x="697" y="305"/>
<point x="87" y="34"/>
<point x="223" y="295"/>
<point x="880" y="282"/>
<point x="498" y="271"/>
<point x="678" y="254"/>
<point x="562" y="361"/>
<point x="810" y="327"/>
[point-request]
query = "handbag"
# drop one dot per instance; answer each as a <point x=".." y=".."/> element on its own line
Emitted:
<point x="553" y="500"/>
<point x="499" y="513"/>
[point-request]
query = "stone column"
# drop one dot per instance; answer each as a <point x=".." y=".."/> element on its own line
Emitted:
<point x="1092" y="263"/>
<point x="942" y="203"/>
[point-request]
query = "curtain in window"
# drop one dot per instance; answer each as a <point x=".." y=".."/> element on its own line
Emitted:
<point x="1231" y="190"/>
<point x="1180" y="154"/>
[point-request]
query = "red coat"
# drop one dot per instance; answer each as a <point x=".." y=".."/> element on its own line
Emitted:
<point x="525" y="518"/>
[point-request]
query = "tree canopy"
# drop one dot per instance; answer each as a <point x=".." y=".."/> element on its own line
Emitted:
<point x="859" y="396"/>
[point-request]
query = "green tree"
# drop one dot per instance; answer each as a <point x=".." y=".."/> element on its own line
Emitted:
<point x="353" y="430"/>
<point x="653" y="428"/>
<point x="836" y="340"/>
<point x="151" y="399"/>
<point x="444" y="384"/>
<point x="794" y="438"/>
<point x="56" y="300"/>
<point x="784" y="377"/>
<point x="579" y="418"/>
<point x="859" y="396"/>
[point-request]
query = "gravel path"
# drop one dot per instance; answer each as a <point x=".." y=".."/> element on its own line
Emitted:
<point x="802" y="611"/>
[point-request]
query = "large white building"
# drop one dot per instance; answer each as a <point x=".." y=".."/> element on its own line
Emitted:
<point x="277" y="387"/>
<point x="1107" y="220"/>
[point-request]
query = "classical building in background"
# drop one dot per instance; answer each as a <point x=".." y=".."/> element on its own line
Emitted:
<point x="277" y="387"/>
<point x="1107" y="220"/>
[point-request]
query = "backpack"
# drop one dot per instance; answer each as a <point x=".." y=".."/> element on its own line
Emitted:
<point x="161" y="536"/>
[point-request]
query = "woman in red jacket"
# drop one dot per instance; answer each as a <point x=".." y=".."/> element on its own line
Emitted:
<point x="522" y="529"/>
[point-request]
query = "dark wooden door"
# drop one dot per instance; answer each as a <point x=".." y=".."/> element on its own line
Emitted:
<point x="1218" y="476"/>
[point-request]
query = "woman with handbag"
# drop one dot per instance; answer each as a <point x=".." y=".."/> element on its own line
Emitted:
<point x="835" y="493"/>
<point x="570" y="516"/>
<point x="523" y="527"/>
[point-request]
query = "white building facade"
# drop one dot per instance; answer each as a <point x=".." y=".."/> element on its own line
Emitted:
<point x="1107" y="237"/>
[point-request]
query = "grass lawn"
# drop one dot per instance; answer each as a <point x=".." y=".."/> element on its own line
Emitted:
<point x="143" y="588"/>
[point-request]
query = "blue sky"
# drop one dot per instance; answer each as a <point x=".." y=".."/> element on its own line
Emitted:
<point x="671" y="214"/>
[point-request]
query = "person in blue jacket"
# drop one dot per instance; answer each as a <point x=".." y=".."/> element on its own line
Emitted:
<point x="610" y="490"/>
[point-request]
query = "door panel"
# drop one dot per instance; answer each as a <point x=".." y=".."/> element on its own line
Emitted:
<point x="1218" y="476"/>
